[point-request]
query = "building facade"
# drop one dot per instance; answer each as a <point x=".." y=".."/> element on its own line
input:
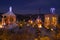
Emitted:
<point x="51" y="19"/>
<point x="9" y="17"/>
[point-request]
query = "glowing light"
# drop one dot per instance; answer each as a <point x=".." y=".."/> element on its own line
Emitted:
<point x="39" y="26"/>
<point x="30" y="21"/>
<point x="21" y="25"/>
<point x="39" y="23"/>
<point x="1" y="26"/>
<point x="51" y="29"/>
<point x="36" y="39"/>
<point x="47" y="18"/>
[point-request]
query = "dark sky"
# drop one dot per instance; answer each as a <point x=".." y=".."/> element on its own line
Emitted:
<point x="29" y="6"/>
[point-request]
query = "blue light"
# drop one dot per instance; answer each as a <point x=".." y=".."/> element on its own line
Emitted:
<point x="52" y="10"/>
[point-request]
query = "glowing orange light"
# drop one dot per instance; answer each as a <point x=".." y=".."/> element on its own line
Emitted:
<point x="39" y="25"/>
<point x="30" y="21"/>
<point x="21" y="25"/>
<point x="36" y="39"/>
<point x="51" y="29"/>
<point x="1" y="26"/>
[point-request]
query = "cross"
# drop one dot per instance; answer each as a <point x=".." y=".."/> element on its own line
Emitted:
<point x="52" y="10"/>
<point x="10" y="9"/>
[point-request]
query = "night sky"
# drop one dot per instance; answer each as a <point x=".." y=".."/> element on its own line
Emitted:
<point x="29" y="6"/>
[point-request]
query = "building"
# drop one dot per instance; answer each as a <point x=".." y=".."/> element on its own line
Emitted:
<point x="9" y="17"/>
<point x="51" y="19"/>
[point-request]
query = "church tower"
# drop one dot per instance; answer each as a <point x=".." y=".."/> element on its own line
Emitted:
<point x="51" y="19"/>
<point x="9" y="17"/>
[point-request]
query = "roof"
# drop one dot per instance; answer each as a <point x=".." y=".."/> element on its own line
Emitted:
<point x="10" y="12"/>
